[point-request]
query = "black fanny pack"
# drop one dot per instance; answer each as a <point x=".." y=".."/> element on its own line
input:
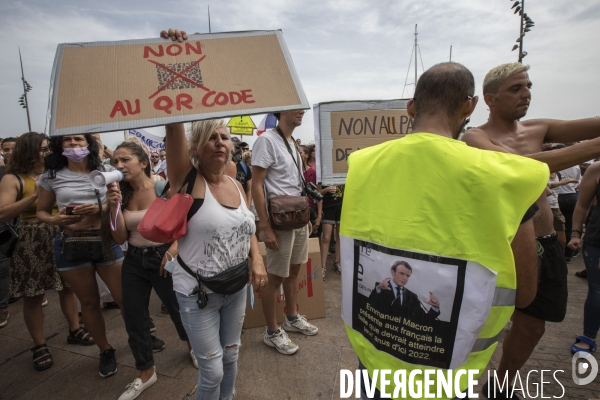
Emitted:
<point x="227" y="282"/>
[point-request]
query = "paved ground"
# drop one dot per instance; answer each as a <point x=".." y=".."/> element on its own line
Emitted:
<point x="313" y="373"/>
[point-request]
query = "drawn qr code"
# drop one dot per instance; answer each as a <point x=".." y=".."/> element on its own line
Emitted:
<point x="193" y="74"/>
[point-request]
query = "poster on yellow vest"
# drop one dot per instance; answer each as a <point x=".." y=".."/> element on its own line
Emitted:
<point x="412" y="305"/>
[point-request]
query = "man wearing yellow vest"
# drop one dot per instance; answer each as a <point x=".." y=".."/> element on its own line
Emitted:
<point x="455" y="214"/>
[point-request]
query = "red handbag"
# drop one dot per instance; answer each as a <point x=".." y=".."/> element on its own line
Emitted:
<point x="166" y="219"/>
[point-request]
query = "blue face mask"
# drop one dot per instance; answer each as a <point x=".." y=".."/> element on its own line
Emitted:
<point x="76" y="154"/>
<point x="169" y="265"/>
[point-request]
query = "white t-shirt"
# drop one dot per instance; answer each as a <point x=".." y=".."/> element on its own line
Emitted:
<point x="72" y="188"/>
<point x="553" y="198"/>
<point x="283" y="176"/>
<point x="574" y="173"/>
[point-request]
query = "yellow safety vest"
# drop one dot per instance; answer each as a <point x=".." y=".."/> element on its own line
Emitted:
<point x="450" y="211"/>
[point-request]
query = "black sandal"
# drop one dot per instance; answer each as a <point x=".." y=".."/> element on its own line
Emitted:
<point x="40" y="355"/>
<point x="80" y="336"/>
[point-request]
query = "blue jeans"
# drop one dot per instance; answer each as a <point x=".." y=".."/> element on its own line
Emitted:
<point x="591" y="309"/>
<point x="214" y="333"/>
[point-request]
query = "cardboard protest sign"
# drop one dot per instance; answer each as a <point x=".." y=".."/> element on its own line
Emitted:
<point x="108" y="86"/>
<point x="311" y="291"/>
<point x="346" y="126"/>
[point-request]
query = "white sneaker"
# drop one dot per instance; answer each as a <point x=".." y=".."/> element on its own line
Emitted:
<point x="301" y="325"/>
<point x="194" y="359"/>
<point x="135" y="388"/>
<point x="280" y="340"/>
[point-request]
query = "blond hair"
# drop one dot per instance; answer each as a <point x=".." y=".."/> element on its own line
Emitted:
<point x="200" y="132"/>
<point x="496" y="77"/>
<point x="246" y="155"/>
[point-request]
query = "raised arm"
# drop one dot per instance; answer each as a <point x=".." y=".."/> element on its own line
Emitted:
<point x="559" y="131"/>
<point x="557" y="160"/>
<point x="567" y="157"/>
<point x="178" y="158"/>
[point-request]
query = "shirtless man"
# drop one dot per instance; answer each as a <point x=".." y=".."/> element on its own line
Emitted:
<point x="507" y="93"/>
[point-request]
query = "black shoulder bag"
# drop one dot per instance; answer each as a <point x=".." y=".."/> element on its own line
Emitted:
<point x="289" y="212"/>
<point x="230" y="281"/>
<point x="8" y="234"/>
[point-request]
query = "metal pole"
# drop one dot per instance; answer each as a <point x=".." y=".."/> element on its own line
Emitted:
<point x="450" y="53"/>
<point x="416" y="56"/>
<point x="521" y="32"/>
<point x="25" y="91"/>
<point x="209" y="31"/>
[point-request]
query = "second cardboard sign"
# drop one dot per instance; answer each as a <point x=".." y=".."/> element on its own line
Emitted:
<point x="311" y="292"/>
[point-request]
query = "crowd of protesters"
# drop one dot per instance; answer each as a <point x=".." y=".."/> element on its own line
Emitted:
<point x="46" y="193"/>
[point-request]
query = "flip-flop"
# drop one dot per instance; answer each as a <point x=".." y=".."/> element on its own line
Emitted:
<point x="590" y="342"/>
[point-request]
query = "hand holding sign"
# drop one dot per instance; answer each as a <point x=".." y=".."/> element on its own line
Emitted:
<point x="174" y="35"/>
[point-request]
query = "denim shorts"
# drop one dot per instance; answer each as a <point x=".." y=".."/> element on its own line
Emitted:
<point x="62" y="265"/>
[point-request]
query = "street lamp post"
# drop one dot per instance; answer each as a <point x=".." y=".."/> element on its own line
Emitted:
<point x="26" y="88"/>
<point x="525" y="26"/>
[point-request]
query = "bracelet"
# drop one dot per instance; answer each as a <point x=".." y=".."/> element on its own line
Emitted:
<point x="576" y="230"/>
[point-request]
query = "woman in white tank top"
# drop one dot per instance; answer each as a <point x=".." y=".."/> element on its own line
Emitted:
<point x="220" y="235"/>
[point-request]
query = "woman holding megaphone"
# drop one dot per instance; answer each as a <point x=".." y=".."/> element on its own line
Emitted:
<point x="81" y="248"/>
<point x="144" y="265"/>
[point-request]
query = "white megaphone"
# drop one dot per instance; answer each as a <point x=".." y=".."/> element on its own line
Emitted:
<point x="100" y="179"/>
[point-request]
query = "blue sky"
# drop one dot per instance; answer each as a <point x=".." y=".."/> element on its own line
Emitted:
<point x="342" y="50"/>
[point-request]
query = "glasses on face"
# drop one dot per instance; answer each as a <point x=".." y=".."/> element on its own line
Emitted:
<point x="45" y="149"/>
<point x="154" y="156"/>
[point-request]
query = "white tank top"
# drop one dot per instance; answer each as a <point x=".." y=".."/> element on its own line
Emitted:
<point x="217" y="239"/>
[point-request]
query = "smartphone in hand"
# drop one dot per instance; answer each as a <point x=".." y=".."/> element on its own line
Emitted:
<point x="69" y="210"/>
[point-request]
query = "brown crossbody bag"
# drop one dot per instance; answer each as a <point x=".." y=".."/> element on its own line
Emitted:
<point x="289" y="212"/>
